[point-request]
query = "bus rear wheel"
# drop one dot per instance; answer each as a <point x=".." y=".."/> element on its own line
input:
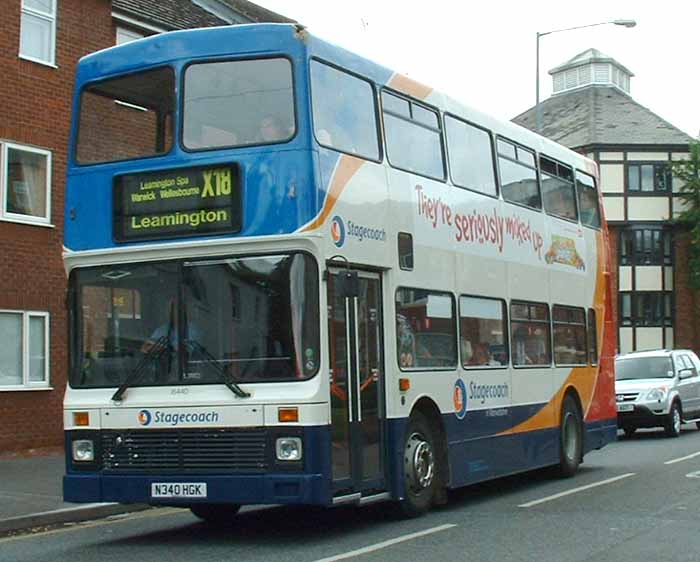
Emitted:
<point x="570" y="437"/>
<point x="420" y="464"/>
<point x="216" y="513"/>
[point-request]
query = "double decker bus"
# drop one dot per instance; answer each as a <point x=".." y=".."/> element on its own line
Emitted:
<point x="296" y="276"/>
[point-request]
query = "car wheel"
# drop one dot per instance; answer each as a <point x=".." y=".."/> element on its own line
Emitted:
<point x="570" y="438"/>
<point x="215" y="513"/>
<point x="629" y="431"/>
<point x="420" y="457"/>
<point x="673" y="421"/>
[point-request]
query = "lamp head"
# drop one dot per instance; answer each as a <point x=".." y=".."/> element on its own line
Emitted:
<point x="625" y="23"/>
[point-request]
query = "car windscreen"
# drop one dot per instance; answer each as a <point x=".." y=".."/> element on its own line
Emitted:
<point x="643" y="368"/>
<point x="251" y="319"/>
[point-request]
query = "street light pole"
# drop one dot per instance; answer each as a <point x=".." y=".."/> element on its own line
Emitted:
<point x="538" y="109"/>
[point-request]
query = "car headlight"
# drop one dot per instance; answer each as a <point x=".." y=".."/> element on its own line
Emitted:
<point x="83" y="450"/>
<point x="656" y="394"/>
<point x="288" y="449"/>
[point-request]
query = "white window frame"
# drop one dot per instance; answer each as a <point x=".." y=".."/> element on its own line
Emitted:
<point x="5" y="215"/>
<point x="127" y="34"/>
<point x="50" y="17"/>
<point x="26" y="383"/>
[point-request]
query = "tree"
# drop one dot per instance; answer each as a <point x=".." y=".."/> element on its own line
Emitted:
<point x="688" y="173"/>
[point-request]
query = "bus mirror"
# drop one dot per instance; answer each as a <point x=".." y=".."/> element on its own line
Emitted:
<point x="348" y="284"/>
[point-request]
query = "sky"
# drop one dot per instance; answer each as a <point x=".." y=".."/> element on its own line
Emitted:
<point x="484" y="53"/>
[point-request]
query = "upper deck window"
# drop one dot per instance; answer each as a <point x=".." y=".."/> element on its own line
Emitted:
<point x="518" y="175"/>
<point x="345" y="116"/>
<point x="126" y="117"/>
<point x="587" y="200"/>
<point x="238" y="103"/>
<point x="558" y="189"/>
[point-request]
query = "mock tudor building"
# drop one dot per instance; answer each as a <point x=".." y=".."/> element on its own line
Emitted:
<point x="41" y="43"/>
<point x="591" y="111"/>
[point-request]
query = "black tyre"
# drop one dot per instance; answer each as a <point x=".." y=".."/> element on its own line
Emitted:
<point x="629" y="431"/>
<point x="420" y="457"/>
<point x="570" y="438"/>
<point x="216" y="513"/>
<point x="672" y="426"/>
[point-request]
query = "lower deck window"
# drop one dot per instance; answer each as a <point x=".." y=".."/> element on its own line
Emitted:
<point x="529" y="327"/>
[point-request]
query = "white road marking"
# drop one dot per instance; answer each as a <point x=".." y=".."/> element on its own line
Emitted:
<point x="674" y="461"/>
<point x="576" y="490"/>
<point x="384" y="544"/>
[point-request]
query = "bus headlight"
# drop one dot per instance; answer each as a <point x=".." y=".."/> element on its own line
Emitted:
<point x="288" y="449"/>
<point x="83" y="450"/>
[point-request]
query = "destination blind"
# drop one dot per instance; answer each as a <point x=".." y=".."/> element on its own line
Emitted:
<point x="172" y="203"/>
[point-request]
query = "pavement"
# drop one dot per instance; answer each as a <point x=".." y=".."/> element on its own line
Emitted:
<point x="31" y="495"/>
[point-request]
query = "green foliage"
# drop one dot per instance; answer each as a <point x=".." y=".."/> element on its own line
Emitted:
<point x="688" y="173"/>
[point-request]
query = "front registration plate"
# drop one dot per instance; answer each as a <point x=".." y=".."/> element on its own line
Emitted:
<point x="178" y="490"/>
<point x="625" y="407"/>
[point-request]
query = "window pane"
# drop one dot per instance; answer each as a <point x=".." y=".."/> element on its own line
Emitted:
<point x="236" y="103"/>
<point x="526" y="156"/>
<point x="482" y="328"/>
<point x="633" y="178"/>
<point x="558" y="196"/>
<point x="11" y="349"/>
<point x="425" y="116"/>
<point x="126" y="117"/>
<point x="413" y="148"/>
<point x="37" y="349"/>
<point x="519" y="184"/>
<point x="530" y="343"/>
<point x="45" y="6"/>
<point x="26" y="183"/>
<point x="395" y="105"/>
<point x="506" y="148"/>
<point x="426" y="329"/>
<point x="569" y="336"/>
<point x="471" y="159"/>
<point x="344" y="112"/>
<point x="592" y="338"/>
<point x="647" y="177"/>
<point x="405" y="250"/>
<point x="587" y="200"/>
<point x="662" y="178"/>
<point x="36" y="39"/>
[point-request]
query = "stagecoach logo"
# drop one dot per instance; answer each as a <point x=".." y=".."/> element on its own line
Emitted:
<point x="338" y="231"/>
<point x="144" y="417"/>
<point x="459" y="398"/>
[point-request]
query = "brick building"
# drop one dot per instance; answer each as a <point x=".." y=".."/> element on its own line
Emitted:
<point x="41" y="43"/>
<point x="591" y="111"/>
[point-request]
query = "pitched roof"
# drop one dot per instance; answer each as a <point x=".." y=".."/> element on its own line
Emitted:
<point x="600" y="115"/>
<point x="185" y="14"/>
<point x="586" y="57"/>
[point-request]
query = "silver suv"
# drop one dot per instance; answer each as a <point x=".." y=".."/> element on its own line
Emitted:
<point x="657" y="389"/>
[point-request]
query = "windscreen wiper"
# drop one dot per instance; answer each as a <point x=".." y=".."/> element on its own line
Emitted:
<point x="224" y="373"/>
<point x="157" y="350"/>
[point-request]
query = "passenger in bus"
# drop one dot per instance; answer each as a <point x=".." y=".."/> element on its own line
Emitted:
<point x="272" y="129"/>
<point x="482" y="356"/>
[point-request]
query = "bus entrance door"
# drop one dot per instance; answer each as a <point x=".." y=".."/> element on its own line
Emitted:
<point x="357" y="384"/>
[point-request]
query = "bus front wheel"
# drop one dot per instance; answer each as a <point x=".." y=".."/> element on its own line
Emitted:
<point x="215" y="513"/>
<point x="570" y="437"/>
<point x="420" y="464"/>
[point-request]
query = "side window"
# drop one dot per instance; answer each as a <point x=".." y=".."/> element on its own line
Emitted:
<point x="569" y="326"/>
<point x="482" y="332"/>
<point x="592" y="338"/>
<point x="344" y="111"/>
<point x="688" y="364"/>
<point x="471" y="156"/>
<point x="413" y="137"/>
<point x="529" y="328"/>
<point x="405" y="243"/>
<point x="426" y="329"/>
<point x="558" y="189"/>
<point x="587" y="200"/>
<point x="518" y="175"/>
<point x="37" y="39"/>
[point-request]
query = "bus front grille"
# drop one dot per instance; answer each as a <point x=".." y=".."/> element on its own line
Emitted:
<point x="184" y="450"/>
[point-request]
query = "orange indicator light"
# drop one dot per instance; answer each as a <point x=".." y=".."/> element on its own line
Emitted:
<point x="404" y="385"/>
<point x="288" y="415"/>
<point x="81" y="418"/>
